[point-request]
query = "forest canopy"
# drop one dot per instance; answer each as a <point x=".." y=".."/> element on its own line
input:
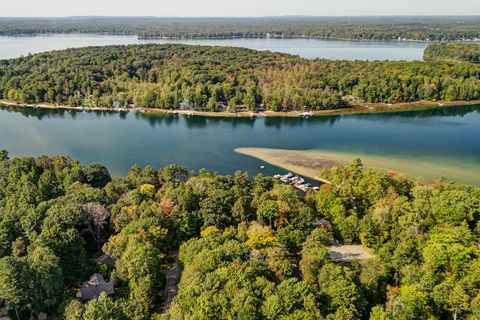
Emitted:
<point x="424" y="28"/>
<point x="249" y="247"/>
<point x="204" y="78"/>
<point x="453" y="51"/>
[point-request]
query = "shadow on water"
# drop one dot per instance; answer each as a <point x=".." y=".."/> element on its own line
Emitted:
<point x="275" y="122"/>
<point x="279" y="122"/>
<point x="451" y="111"/>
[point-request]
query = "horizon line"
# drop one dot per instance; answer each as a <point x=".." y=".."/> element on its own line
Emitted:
<point x="243" y="17"/>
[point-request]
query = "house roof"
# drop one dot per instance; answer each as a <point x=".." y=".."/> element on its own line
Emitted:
<point x="107" y="259"/>
<point x="93" y="292"/>
<point x="95" y="279"/>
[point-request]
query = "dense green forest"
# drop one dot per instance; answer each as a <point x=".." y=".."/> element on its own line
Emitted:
<point x="453" y="51"/>
<point x="167" y="76"/>
<point x="250" y="248"/>
<point x="360" y="28"/>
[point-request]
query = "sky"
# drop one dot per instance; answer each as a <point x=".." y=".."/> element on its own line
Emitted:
<point x="229" y="8"/>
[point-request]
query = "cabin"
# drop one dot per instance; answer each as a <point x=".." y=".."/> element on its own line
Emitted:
<point x="92" y="289"/>
<point x="106" y="259"/>
<point x="322" y="223"/>
<point x="221" y="107"/>
<point x="184" y="106"/>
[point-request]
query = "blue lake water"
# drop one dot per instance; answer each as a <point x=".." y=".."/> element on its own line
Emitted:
<point x="12" y="47"/>
<point x="119" y="140"/>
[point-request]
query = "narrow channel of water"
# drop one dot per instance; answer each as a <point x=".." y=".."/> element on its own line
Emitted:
<point x="119" y="140"/>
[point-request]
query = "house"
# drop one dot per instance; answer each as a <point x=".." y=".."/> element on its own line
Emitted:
<point x="322" y="223"/>
<point x="184" y="106"/>
<point x="92" y="289"/>
<point x="106" y="259"/>
<point x="221" y="107"/>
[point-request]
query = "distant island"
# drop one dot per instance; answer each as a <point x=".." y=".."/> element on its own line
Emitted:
<point x="202" y="78"/>
<point x="416" y="28"/>
<point x="453" y="51"/>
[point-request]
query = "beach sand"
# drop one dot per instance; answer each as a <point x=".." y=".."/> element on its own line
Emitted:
<point x="309" y="163"/>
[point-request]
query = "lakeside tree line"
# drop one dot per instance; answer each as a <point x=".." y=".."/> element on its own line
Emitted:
<point x="453" y="51"/>
<point x="358" y="28"/>
<point x="250" y="248"/>
<point x="200" y="77"/>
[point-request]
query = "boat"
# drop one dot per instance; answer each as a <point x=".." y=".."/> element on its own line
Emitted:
<point x="262" y="167"/>
<point x="285" y="180"/>
<point x="297" y="182"/>
<point x="306" y="114"/>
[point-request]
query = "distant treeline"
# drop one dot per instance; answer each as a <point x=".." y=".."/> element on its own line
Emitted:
<point x="359" y="28"/>
<point x="209" y="78"/>
<point x="453" y="51"/>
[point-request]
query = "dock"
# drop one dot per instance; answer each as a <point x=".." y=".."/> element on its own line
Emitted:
<point x="297" y="182"/>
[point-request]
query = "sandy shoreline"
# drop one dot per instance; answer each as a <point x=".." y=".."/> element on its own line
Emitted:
<point x="309" y="163"/>
<point x="364" y="108"/>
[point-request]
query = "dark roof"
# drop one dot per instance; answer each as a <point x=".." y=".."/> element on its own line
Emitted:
<point x="95" y="279"/>
<point x="322" y="222"/>
<point x="42" y="316"/>
<point x="107" y="259"/>
<point x="93" y="292"/>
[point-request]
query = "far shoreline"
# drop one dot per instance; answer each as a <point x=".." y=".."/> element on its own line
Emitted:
<point x="362" y="108"/>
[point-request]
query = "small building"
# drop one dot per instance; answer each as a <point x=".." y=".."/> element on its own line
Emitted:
<point x="322" y="223"/>
<point x="221" y="107"/>
<point x="92" y="289"/>
<point x="106" y="259"/>
<point x="184" y="106"/>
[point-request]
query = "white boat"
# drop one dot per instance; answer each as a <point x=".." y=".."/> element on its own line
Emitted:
<point x="306" y="114"/>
